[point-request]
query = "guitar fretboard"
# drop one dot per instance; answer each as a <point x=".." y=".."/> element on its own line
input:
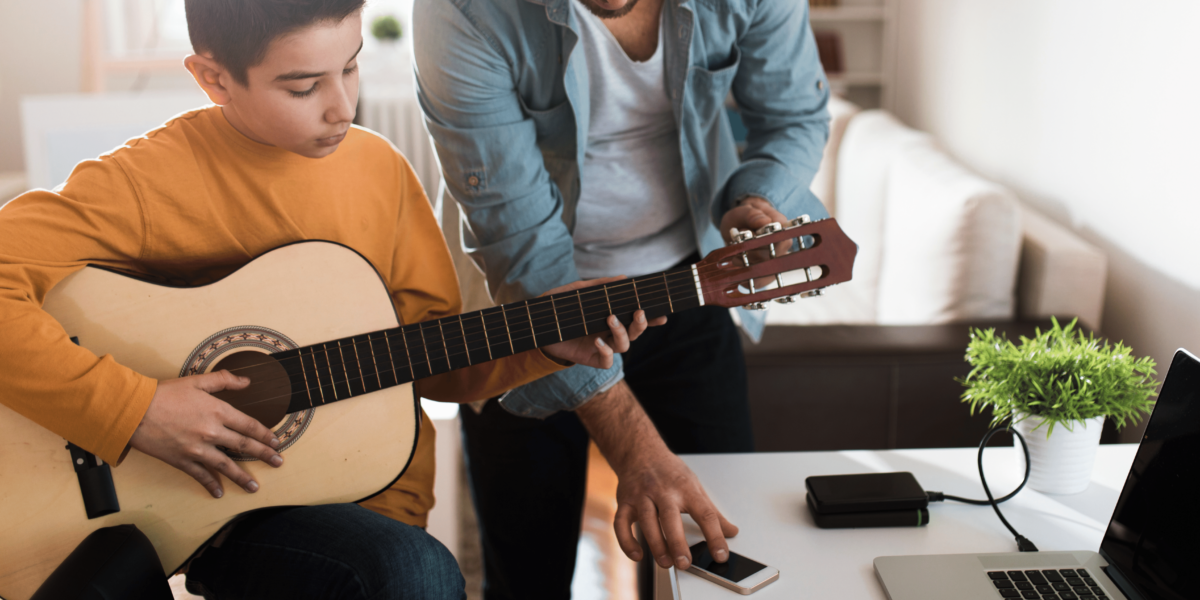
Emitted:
<point x="348" y="367"/>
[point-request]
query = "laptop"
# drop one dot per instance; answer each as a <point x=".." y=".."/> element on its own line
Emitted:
<point x="1150" y="551"/>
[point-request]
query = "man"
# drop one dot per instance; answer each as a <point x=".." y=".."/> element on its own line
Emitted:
<point x="590" y="137"/>
<point x="275" y="162"/>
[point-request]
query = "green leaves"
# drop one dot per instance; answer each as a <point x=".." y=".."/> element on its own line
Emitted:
<point x="1060" y="375"/>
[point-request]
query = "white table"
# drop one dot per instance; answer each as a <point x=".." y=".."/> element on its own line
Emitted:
<point x="763" y="494"/>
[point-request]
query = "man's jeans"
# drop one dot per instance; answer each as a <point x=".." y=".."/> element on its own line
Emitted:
<point x="340" y="551"/>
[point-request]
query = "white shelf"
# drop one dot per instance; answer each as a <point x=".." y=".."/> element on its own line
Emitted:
<point x="842" y="14"/>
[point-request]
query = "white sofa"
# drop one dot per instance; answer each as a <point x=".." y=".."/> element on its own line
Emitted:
<point x="937" y="243"/>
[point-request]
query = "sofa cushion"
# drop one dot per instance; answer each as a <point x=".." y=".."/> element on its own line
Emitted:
<point x="873" y="141"/>
<point x="824" y="183"/>
<point x="953" y="240"/>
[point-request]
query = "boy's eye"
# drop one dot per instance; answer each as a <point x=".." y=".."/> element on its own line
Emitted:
<point x="304" y="93"/>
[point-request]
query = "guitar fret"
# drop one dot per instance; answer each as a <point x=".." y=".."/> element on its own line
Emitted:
<point x="428" y="361"/>
<point x="329" y="366"/>
<point x="466" y="348"/>
<point x="486" y="341"/>
<point x="445" y="346"/>
<point x="362" y="379"/>
<point x="554" y="310"/>
<point x="667" y="286"/>
<point x="349" y="391"/>
<point x="316" y="374"/>
<point x="582" y="316"/>
<point x="607" y="300"/>
<point x="635" y="293"/>
<point x="504" y="313"/>
<point x="374" y="362"/>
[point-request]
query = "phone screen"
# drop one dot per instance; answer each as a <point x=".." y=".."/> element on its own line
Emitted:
<point x="735" y="569"/>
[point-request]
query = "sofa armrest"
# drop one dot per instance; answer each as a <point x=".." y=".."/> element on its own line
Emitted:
<point x="1060" y="273"/>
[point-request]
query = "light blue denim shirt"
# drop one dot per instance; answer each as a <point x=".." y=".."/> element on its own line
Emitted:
<point x="506" y="102"/>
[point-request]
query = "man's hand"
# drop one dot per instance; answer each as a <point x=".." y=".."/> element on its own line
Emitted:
<point x="654" y="486"/>
<point x="185" y="424"/>
<point x="752" y="213"/>
<point x="592" y="350"/>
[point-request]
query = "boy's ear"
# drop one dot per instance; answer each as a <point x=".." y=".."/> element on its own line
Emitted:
<point x="211" y="77"/>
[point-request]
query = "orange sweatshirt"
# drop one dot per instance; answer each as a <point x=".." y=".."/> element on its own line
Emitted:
<point x="189" y="203"/>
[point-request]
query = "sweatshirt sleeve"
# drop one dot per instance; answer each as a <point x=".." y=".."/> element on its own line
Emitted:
<point x="424" y="286"/>
<point x="94" y="218"/>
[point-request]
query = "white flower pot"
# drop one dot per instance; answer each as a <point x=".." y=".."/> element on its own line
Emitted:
<point x="1063" y="463"/>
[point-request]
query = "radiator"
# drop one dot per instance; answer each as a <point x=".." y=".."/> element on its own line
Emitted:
<point x="393" y="112"/>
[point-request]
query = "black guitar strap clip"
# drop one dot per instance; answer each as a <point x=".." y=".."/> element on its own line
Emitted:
<point x="95" y="480"/>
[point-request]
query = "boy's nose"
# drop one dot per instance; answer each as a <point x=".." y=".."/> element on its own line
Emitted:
<point x="341" y="109"/>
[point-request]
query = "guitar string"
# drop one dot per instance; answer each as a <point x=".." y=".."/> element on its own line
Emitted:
<point x="502" y="331"/>
<point x="651" y="279"/>
<point x="395" y="371"/>
<point x="417" y="349"/>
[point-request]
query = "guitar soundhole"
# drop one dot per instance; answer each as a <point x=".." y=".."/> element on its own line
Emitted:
<point x="246" y="350"/>
<point x="266" y="398"/>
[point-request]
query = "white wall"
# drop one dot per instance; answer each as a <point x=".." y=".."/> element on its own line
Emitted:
<point x="39" y="54"/>
<point x="1089" y="110"/>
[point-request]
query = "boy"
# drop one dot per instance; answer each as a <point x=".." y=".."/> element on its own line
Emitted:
<point x="193" y="201"/>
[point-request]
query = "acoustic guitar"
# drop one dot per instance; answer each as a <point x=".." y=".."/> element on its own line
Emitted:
<point x="313" y="326"/>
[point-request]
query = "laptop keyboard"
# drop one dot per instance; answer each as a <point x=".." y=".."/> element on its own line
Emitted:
<point x="1048" y="584"/>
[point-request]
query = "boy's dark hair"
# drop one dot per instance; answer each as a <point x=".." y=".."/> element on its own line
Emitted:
<point x="238" y="32"/>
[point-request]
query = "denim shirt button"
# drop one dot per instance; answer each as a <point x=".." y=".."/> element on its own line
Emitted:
<point x="472" y="181"/>
<point x="820" y="86"/>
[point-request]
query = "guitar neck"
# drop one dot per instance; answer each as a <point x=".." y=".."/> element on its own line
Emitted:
<point x="348" y="367"/>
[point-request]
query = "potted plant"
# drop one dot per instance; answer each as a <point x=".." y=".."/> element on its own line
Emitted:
<point x="386" y="28"/>
<point x="1056" y="389"/>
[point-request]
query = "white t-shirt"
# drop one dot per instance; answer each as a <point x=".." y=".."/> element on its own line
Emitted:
<point x="632" y="216"/>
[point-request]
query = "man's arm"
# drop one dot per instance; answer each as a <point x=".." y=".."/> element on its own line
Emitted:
<point x="654" y="486"/>
<point x="781" y="91"/>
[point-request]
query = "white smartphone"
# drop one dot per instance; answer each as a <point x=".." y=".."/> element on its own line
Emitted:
<point x="740" y="574"/>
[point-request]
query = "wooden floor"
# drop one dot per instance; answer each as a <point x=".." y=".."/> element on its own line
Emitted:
<point x="602" y="572"/>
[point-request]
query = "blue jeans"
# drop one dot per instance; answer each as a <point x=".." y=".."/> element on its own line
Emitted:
<point x="340" y="551"/>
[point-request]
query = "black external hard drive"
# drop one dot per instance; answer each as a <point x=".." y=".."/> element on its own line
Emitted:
<point x="866" y="492"/>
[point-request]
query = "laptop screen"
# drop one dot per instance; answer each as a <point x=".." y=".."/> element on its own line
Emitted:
<point x="1153" y="540"/>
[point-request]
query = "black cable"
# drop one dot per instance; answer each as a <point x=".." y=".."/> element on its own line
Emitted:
<point x="1023" y="543"/>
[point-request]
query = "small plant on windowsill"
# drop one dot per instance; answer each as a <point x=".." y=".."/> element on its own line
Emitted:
<point x="386" y="28"/>
<point x="1057" y="388"/>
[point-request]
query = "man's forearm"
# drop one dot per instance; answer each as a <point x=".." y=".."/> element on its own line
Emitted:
<point x="621" y="428"/>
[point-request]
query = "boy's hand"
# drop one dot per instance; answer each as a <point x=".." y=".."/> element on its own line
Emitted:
<point x="592" y="350"/>
<point x="185" y="424"/>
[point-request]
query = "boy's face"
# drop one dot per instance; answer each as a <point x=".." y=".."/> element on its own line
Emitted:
<point x="302" y="96"/>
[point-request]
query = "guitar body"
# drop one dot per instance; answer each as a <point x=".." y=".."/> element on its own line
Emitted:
<point x="297" y="295"/>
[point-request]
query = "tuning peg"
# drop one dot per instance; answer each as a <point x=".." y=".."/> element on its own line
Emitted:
<point x="786" y="300"/>
<point x="756" y="306"/>
<point x="813" y="293"/>
<point x="800" y="220"/>
<point x="768" y="229"/>
<point x="737" y="237"/>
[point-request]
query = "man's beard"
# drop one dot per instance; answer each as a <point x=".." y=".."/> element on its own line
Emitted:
<point x="608" y="14"/>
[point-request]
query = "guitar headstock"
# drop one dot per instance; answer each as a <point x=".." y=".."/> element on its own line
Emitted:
<point x="778" y="262"/>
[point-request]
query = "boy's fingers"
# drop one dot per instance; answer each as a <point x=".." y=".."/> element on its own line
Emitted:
<point x="221" y="380"/>
<point x="204" y="477"/>
<point x="215" y="459"/>
<point x="248" y="426"/>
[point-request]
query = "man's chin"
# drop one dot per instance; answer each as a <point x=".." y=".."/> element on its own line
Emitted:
<point x="605" y="13"/>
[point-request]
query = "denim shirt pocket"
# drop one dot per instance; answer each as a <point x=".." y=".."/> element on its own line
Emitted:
<point x="708" y="88"/>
